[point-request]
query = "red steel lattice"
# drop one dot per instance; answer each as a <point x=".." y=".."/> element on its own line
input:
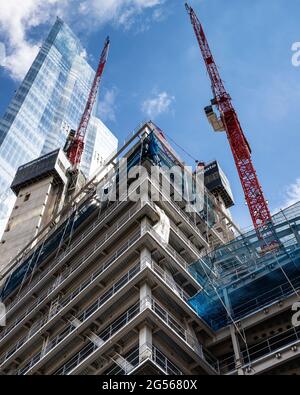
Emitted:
<point x="76" y="148"/>
<point x="241" y="150"/>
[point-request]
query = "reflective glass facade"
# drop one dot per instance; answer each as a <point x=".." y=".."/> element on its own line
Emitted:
<point x="49" y="101"/>
<point x="100" y="144"/>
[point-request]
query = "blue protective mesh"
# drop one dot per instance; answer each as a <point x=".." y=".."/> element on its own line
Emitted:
<point x="239" y="276"/>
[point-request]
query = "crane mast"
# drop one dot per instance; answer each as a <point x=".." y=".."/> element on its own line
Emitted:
<point x="76" y="147"/>
<point x="257" y="204"/>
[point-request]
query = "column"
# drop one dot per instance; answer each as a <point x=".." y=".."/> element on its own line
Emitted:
<point x="234" y="339"/>
<point x="145" y="331"/>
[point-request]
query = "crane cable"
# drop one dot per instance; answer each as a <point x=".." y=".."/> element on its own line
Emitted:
<point x="225" y="307"/>
<point x="180" y="147"/>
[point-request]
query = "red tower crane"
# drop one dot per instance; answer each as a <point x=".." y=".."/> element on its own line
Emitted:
<point x="229" y="122"/>
<point x="76" y="145"/>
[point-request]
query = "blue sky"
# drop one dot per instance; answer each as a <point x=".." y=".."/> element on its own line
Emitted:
<point x="155" y="70"/>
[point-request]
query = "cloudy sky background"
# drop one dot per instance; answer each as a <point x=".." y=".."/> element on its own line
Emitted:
<point x="155" y="71"/>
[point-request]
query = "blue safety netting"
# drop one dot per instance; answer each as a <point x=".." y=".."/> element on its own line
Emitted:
<point x="240" y="279"/>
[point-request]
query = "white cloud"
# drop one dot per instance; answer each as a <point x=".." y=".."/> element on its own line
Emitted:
<point x="292" y="196"/>
<point x="293" y="193"/>
<point x="20" y="59"/>
<point x="157" y="105"/>
<point x="120" y="13"/>
<point x="159" y="15"/>
<point x="107" y="106"/>
<point x="2" y="54"/>
<point x="18" y="17"/>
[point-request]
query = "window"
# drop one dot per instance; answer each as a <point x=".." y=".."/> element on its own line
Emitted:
<point x="61" y="165"/>
<point x="27" y="196"/>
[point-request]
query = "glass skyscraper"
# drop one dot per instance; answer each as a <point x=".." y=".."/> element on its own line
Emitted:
<point x="49" y="101"/>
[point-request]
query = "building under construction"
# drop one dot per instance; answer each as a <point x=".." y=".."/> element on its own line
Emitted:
<point x="144" y="285"/>
<point x="142" y="270"/>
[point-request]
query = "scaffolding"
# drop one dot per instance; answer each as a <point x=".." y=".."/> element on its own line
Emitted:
<point x="238" y="279"/>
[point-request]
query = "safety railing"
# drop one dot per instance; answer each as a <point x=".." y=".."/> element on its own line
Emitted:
<point x="141" y="354"/>
<point x="164" y="363"/>
<point x="134" y="132"/>
<point x="105" y="335"/>
<point x="28" y="291"/>
<point x="195" y="212"/>
<point x="168" y="279"/>
<point x="260" y="302"/>
<point x="61" y="304"/>
<point x="85" y="194"/>
<point x="211" y="360"/>
<point x="63" y="254"/>
<point x="262" y="349"/>
<point x="185" y="239"/>
<point x="185" y="334"/>
<point x="173" y="323"/>
<point x="79" y="261"/>
<point x="176" y="206"/>
<point x="69" y="271"/>
<point x="105" y="265"/>
<point x="179" y="232"/>
<point x="71" y="328"/>
<point x="167" y="247"/>
<point x="268" y="297"/>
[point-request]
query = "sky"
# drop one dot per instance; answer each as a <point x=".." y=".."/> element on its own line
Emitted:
<point x="155" y="71"/>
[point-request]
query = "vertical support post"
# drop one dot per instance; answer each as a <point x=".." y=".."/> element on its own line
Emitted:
<point x="145" y="258"/>
<point x="144" y="225"/>
<point x="145" y="331"/>
<point x="144" y="192"/>
<point x="234" y="338"/>
<point x="295" y="231"/>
